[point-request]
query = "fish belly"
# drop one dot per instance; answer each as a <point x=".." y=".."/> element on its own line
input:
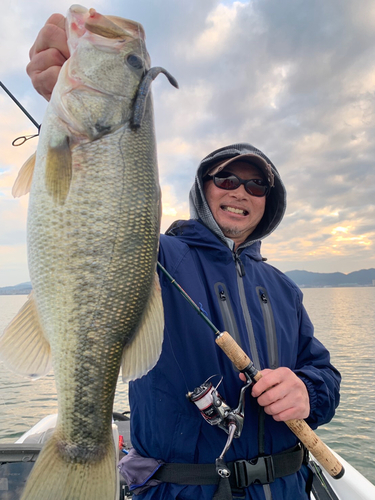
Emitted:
<point x="92" y="263"/>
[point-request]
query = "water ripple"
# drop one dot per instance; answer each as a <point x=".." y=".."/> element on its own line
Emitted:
<point x="344" y="321"/>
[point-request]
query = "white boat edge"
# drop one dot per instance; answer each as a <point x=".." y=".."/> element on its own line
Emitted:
<point x="352" y="486"/>
<point x="46" y="423"/>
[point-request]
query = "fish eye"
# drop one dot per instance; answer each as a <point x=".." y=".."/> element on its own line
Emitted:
<point x="135" y="61"/>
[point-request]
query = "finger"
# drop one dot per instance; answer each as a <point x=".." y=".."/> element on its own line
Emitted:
<point x="52" y="35"/>
<point x="273" y="395"/>
<point x="269" y="379"/>
<point x="288" y="414"/>
<point x="293" y="391"/>
<point x="45" y="81"/>
<point x="43" y="70"/>
<point x="282" y="412"/>
<point x="293" y="404"/>
<point x="45" y="60"/>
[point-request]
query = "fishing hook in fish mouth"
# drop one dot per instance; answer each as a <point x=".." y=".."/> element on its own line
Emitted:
<point x="143" y="91"/>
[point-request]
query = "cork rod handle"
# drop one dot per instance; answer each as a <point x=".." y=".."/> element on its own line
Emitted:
<point x="299" y="427"/>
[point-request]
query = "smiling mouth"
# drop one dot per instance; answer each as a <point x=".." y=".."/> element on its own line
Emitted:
<point x="233" y="210"/>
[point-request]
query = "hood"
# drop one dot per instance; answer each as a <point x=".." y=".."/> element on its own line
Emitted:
<point x="275" y="204"/>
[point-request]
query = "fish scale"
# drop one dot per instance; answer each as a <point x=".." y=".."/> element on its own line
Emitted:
<point x="126" y="253"/>
<point x="93" y="229"/>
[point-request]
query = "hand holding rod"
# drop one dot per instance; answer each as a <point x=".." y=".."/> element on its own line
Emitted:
<point x="242" y="361"/>
<point x="299" y="427"/>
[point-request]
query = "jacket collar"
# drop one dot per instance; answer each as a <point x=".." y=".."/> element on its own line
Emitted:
<point x="195" y="234"/>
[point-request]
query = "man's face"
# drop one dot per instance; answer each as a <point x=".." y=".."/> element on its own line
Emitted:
<point x="236" y="212"/>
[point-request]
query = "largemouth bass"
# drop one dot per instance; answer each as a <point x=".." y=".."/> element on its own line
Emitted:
<point x="93" y="229"/>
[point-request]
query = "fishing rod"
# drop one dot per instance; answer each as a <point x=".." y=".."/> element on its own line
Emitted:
<point x="236" y="354"/>
<point x="21" y="140"/>
<point x="244" y="364"/>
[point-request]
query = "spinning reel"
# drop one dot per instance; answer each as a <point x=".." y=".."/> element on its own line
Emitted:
<point x="215" y="411"/>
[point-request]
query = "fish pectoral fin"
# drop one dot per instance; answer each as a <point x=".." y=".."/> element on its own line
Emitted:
<point x="142" y="354"/>
<point x="59" y="170"/>
<point x="22" y="184"/>
<point x="23" y="346"/>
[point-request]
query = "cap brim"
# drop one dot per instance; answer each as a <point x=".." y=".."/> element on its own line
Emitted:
<point x="252" y="159"/>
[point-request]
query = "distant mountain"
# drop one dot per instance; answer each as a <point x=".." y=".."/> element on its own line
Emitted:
<point x="21" y="289"/>
<point x="364" y="277"/>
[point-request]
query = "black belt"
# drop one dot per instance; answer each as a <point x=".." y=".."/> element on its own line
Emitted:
<point x="262" y="470"/>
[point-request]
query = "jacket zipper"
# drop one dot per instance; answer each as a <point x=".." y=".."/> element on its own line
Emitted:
<point x="239" y="265"/>
<point x="269" y="324"/>
<point x="271" y="336"/>
<point x="245" y="310"/>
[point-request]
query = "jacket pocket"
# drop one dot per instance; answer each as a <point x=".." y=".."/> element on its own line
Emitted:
<point x="226" y="309"/>
<point x="227" y="314"/>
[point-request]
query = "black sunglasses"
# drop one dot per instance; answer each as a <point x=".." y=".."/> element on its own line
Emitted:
<point x="229" y="181"/>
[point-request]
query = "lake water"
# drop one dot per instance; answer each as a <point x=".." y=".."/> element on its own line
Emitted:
<point x="344" y="320"/>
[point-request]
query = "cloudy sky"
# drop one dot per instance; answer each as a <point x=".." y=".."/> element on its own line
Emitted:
<point x="295" y="78"/>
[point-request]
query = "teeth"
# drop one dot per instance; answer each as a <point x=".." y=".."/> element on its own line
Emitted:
<point x="234" y="210"/>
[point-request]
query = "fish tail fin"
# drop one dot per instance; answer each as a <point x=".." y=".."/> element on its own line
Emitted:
<point x="54" y="477"/>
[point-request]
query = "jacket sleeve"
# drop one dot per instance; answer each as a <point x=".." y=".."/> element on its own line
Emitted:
<point x="316" y="371"/>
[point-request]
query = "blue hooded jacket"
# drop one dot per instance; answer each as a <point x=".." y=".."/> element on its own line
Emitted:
<point x="263" y="311"/>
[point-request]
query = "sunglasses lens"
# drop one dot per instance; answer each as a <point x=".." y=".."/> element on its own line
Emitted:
<point x="256" y="187"/>
<point x="226" y="182"/>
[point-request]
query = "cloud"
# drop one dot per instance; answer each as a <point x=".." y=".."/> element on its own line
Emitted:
<point x="172" y="207"/>
<point x="294" y="78"/>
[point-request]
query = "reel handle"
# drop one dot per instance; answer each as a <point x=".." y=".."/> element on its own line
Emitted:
<point x="299" y="427"/>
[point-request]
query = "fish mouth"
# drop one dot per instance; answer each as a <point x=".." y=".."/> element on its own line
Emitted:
<point x="233" y="210"/>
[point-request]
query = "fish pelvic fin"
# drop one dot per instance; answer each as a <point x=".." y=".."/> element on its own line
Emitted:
<point x="22" y="184"/>
<point x="142" y="354"/>
<point x="55" y="477"/>
<point x="23" y="347"/>
<point x="59" y="170"/>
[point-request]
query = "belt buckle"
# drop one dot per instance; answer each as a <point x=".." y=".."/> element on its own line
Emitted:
<point x="259" y="470"/>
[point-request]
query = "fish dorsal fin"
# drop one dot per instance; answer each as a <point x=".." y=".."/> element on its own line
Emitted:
<point x="142" y="354"/>
<point x="23" y="346"/>
<point x="59" y="170"/>
<point x="103" y="26"/>
<point x="22" y="184"/>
